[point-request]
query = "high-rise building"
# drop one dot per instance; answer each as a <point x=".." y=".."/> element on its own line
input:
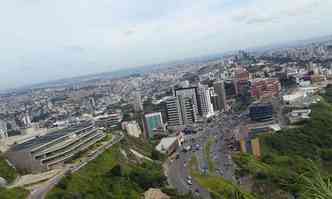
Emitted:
<point x="206" y="107"/>
<point x="153" y="124"/>
<point x="214" y="98"/>
<point x="219" y="89"/>
<point x="187" y="95"/>
<point x="188" y="110"/>
<point x="26" y="120"/>
<point x="261" y="112"/>
<point x="174" y="116"/>
<point x="138" y="104"/>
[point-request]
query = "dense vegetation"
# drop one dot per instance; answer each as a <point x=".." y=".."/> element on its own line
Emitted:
<point x="15" y="193"/>
<point x="115" y="175"/>
<point x="291" y="154"/>
<point x="6" y="171"/>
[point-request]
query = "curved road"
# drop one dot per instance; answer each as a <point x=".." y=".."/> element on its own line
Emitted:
<point x="42" y="191"/>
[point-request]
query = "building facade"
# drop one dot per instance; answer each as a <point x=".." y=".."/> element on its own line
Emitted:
<point x="153" y="124"/>
<point x="206" y="107"/>
<point x="219" y="89"/>
<point x="53" y="149"/>
<point x="173" y="112"/>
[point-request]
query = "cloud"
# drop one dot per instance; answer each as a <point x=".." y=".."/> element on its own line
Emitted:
<point x="129" y="32"/>
<point x="52" y="35"/>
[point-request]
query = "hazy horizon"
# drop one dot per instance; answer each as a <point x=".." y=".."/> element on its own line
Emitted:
<point x="43" y="41"/>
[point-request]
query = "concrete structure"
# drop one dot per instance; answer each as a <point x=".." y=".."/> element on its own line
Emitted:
<point x="294" y="98"/>
<point x="182" y="109"/>
<point x="109" y="121"/>
<point x="54" y="149"/>
<point x="219" y="90"/>
<point x="132" y="128"/>
<point x="168" y="145"/>
<point x="137" y="103"/>
<point x="206" y="107"/>
<point x="265" y="88"/>
<point x="189" y="103"/>
<point x="261" y="112"/>
<point x="299" y="115"/>
<point x="251" y="146"/>
<point x="249" y="137"/>
<point x="174" y="116"/>
<point x="153" y="124"/>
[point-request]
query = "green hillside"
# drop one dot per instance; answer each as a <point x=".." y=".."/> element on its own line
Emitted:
<point x="291" y="155"/>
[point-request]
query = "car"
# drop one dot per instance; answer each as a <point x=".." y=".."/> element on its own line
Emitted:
<point x="189" y="182"/>
<point x="189" y="178"/>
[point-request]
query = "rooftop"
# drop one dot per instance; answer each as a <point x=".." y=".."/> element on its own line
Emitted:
<point x="40" y="140"/>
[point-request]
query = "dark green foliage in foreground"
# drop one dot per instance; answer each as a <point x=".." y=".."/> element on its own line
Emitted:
<point x="111" y="176"/>
<point x="315" y="185"/>
<point x="6" y="171"/>
<point x="15" y="193"/>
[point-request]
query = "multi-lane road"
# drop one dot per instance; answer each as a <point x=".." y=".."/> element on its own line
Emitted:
<point x="221" y="130"/>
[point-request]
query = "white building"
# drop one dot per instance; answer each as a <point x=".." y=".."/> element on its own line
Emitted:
<point x="206" y="107"/>
<point x="167" y="145"/>
<point x="132" y="128"/>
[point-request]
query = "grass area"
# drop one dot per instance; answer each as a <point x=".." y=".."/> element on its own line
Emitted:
<point x="207" y="154"/>
<point x="217" y="186"/>
<point x="88" y="181"/>
<point x="140" y="145"/>
<point x="15" y="193"/>
<point x="6" y="171"/>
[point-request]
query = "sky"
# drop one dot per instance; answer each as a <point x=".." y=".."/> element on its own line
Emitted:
<point x="42" y="40"/>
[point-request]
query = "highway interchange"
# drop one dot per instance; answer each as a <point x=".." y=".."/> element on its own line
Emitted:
<point x="222" y="130"/>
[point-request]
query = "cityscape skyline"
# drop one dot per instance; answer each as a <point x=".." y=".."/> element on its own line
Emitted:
<point x="59" y="40"/>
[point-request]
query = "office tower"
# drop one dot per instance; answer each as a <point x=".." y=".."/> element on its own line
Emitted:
<point x="3" y="130"/>
<point x="230" y="89"/>
<point x="219" y="89"/>
<point x="261" y="112"/>
<point x="153" y="124"/>
<point x="26" y="120"/>
<point x="206" y="107"/>
<point x="174" y="116"/>
<point x="186" y="96"/>
<point x="91" y="104"/>
<point x="137" y="103"/>
<point x="214" y="99"/>
<point x="188" y="110"/>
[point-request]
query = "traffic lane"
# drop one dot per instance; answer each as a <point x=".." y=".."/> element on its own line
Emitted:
<point x="179" y="173"/>
<point x="176" y="178"/>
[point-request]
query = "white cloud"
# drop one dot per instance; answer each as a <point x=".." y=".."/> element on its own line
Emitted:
<point x="112" y="34"/>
